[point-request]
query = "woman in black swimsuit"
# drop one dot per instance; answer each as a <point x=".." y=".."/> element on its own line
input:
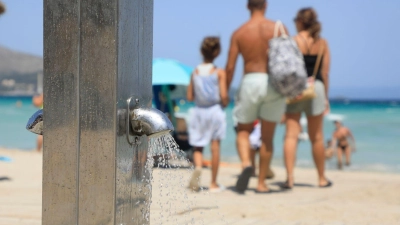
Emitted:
<point x="341" y="136"/>
<point x="317" y="61"/>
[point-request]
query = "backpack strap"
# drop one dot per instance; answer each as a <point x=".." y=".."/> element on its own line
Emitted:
<point x="279" y="27"/>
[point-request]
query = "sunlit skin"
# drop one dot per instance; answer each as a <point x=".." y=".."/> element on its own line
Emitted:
<point x="251" y="41"/>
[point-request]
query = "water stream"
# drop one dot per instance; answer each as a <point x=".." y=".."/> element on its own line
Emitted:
<point x="174" y="171"/>
<point x="171" y="201"/>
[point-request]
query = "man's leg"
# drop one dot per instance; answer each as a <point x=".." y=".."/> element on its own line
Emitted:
<point x="267" y="135"/>
<point x="243" y="146"/>
<point x="293" y="129"/>
<point x="253" y="160"/>
<point x="243" y="143"/>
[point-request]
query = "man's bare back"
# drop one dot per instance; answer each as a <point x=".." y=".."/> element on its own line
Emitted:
<point x="251" y="40"/>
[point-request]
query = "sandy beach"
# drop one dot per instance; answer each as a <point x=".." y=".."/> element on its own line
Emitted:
<point x="355" y="198"/>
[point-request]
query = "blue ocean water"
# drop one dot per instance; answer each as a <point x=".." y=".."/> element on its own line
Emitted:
<point x="14" y="114"/>
<point x="375" y="125"/>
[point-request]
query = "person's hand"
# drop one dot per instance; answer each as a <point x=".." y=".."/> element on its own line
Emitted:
<point x="327" y="107"/>
<point x="225" y="103"/>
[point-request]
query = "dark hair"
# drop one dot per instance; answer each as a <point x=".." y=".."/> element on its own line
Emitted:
<point x="2" y="8"/>
<point x="210" y="48"/>
<point x="256" y="4"/>
<point x="309" y="19"/>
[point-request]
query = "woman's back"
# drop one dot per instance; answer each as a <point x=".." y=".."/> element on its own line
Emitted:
<point x="310" y="49"/>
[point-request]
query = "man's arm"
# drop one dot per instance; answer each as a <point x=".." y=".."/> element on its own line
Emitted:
<point x="232" y="58"/>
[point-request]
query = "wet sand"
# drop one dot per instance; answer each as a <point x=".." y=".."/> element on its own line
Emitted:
<point x="355" y="198"/>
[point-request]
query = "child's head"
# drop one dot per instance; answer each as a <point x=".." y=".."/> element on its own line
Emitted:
<point x="210" y="48"/>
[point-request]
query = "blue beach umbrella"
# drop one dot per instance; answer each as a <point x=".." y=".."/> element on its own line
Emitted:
<point x="169" y="71"/>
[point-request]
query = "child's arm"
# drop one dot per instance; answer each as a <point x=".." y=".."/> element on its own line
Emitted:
<point x="190" y="92"/>
<point x="222" y="88"/>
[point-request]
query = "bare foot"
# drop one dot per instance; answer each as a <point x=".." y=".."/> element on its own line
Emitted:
<point x="288" y="184"/>
<point x="325" y="183"/>
<point x="262" y="188"/>
<point x="214" y="186"/>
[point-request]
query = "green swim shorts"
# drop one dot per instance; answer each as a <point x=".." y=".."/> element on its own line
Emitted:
<point x="257" y="99"/>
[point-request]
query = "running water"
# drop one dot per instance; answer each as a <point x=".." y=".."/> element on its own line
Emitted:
<point x="174" y="170"/>
<point x="175" y="203"/>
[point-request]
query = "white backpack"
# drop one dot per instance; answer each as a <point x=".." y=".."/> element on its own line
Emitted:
<point x="286" y="68"/>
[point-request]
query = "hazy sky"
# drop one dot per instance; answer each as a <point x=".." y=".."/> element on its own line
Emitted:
<point x="362" y="34"/>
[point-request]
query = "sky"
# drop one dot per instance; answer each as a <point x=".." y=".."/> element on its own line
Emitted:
<point x="362" y="35"/>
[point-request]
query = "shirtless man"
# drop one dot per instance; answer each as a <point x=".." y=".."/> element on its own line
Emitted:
<point x="340" y="140"/>
<point x="255" y="99"/>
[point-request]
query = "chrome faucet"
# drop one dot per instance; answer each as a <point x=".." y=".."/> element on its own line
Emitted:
<point x="146" y="121"/>
<point x="150" y="122"/>
<point x="139" y="121"/>
<point x="35" y="123"/>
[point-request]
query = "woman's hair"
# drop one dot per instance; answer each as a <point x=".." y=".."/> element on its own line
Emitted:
<point x="309" y="19"/>
<point x="210" y="48"/>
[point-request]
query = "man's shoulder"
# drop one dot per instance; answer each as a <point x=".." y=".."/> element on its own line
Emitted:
<point x="241" y="28"/>
<point x="267" y="23"/>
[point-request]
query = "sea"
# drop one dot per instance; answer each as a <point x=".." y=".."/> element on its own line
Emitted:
<point x="375" y="125"/>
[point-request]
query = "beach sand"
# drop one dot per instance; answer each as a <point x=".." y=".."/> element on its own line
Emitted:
<point x="355" y="198"/>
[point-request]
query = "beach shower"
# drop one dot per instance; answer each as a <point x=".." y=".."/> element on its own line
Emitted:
<point x="97" y="55"/>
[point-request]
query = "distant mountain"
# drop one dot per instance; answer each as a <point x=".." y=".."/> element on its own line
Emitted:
<point x="19" y="72"/>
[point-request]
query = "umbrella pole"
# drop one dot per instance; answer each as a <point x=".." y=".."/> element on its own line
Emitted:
<point x="166" y="92"/>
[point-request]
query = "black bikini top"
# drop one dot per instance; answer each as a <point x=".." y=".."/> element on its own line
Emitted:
<point x="310" y="62"/>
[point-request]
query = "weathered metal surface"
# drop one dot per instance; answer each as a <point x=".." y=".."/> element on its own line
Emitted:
<point x="97" y="54"/>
